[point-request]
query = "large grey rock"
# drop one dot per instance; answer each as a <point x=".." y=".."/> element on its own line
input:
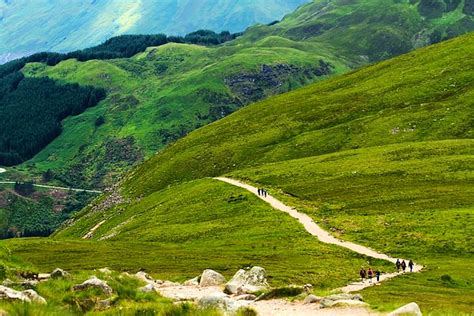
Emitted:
<point x="310" y="299"/>
<point x="34" y="297"/>
<point x="250" y="281"/>
<point x="409" y="309"/>
<point x="211" y="278"/>
<point x="28" y="296"/>
<point x="59" y="273"/>
<point x="94" y="283"/>
<point x="221" y="301"/>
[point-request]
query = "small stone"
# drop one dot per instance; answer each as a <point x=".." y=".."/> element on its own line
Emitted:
<point x="310" y="299"/>
<point x="308" y="288"/>
<point x="245" y="297"/>
<point x="409" y="309"/>
<point x="106" y="271"/>
<point x="149" y="288"/>
<point x="192" y="282"/>
<point x="34" y="297"/>
<point x="59" y="273"/>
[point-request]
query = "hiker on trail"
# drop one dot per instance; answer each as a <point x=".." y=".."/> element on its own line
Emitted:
<point x="411" y="265"/>
<point x="404" y="265"/>
<point x="259" y="191"/>
<point x="398" y="265"/>
<point x="370" y="273"/>
<point x="377" y="274"/>
<point x="265" y="193"/>
<point x="362" y="274"/>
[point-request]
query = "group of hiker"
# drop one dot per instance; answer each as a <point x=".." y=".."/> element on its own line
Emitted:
<point x="401" y="265"/>
<point x="370" y="274"/>
<point x="262" y="192"/>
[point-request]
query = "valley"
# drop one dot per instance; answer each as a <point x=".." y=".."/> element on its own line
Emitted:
<point x="355" y="118"/>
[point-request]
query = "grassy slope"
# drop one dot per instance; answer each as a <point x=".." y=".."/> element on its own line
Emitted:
<point x="424" y="95"/>
<point x="411" y="200"/>
<point x="163" y="82"/>
<point x="419" y="176"/>
<point x="215" y="226"/>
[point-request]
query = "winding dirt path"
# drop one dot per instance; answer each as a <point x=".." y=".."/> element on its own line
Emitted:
<point x="323" y="236"/>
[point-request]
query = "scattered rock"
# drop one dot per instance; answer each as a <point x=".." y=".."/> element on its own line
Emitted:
<point x="192" y="282"/>
<point x="409" y="309"/>
<point x="149" y="288"/>
<point x="310" y="299"/>
<point x="250" y="281"/>
<point x="104" y="304"/>
<point x="245" y="297"/>
<point x="34" y="297"/>
<point x="342" y="303"/>
<point x="43" y="276"/>
<point x="308" y="288"/>
<point x="105" y="271"/>
<point x="27" y="296"/>
<point x="94" y="282"/>
<point x="221" y="301"/>
<point x="211" y="278"/>
<point x="59" y="273"/>
<point x="145" y="277"/>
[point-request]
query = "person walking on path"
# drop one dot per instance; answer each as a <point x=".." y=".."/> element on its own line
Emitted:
<point x="264" y="193"/>
<point x="363" y="274"/>
<point x="370" y="273"/>
<point x="259" y="191"/>
<point x="377" y="275"/>
<point x="398" y="265"/>
<point x="411" y="265"/>
<point x="404" y="265"/>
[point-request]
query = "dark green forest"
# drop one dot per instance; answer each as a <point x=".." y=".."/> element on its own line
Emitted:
<point x="31" y="111"/>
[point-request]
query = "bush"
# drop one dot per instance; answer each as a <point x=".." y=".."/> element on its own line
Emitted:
<point x="431" y="8"/>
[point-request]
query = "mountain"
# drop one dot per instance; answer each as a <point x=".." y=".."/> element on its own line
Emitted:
<point x="381" y="156"/>
<point x="160" y="95"/>
<point x="62" y="26"/>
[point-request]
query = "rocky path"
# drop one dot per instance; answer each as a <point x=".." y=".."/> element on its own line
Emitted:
<point x="55" y="187"/>
<point x="323" y="236"/>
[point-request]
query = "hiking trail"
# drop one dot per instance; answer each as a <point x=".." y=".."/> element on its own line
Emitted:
<point x="323" y="236"/>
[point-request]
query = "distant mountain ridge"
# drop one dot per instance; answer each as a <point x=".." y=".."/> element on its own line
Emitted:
<point x="63" y="25"/>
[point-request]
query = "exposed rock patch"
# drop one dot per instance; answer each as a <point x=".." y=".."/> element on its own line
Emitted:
<point x="250" y="281"/>
<point x="94" y="283"/>
<point x="211" y="278"/>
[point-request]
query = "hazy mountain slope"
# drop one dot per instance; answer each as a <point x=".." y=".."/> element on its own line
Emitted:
<point x="62" y="25"/>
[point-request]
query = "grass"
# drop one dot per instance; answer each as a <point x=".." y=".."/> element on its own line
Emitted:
<point x="217" y="226"/>
<point x="411" y="200"/>
<point x="126" y="299"/>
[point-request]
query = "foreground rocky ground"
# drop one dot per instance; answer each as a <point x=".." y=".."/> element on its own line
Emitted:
<point x="247" y="292"/>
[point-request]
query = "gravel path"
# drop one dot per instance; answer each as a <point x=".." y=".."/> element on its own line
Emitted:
<point x="323" y="236"/>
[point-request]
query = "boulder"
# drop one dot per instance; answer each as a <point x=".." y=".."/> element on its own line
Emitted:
<point x="59" y="273"/>
<point x="145" y="277"/>
<point x="94" y="283"/>
<point x="34" y="297"/>
<point x="28" y="296"/>
<point x="310" y="299"/>
<point x="106" y="271"/>
<point x="250" y="281"/>
<point x="409" y="309"/>
<point x="221" y="301"/>
<point x="211" y="278"/>
<point x="192" y="282"/>
<point x="342" y="303"/>
<point x="149" y="288"/>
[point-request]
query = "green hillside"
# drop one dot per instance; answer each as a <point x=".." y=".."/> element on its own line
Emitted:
<point x="381" y="156"/>
<point x="161" y="95"/>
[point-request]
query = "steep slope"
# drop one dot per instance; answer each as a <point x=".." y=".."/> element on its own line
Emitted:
<point x="424" y="95"/>
<point x="62" y="25"/>
<point x="154" y="99"/>
<point x="381" y="156"/>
